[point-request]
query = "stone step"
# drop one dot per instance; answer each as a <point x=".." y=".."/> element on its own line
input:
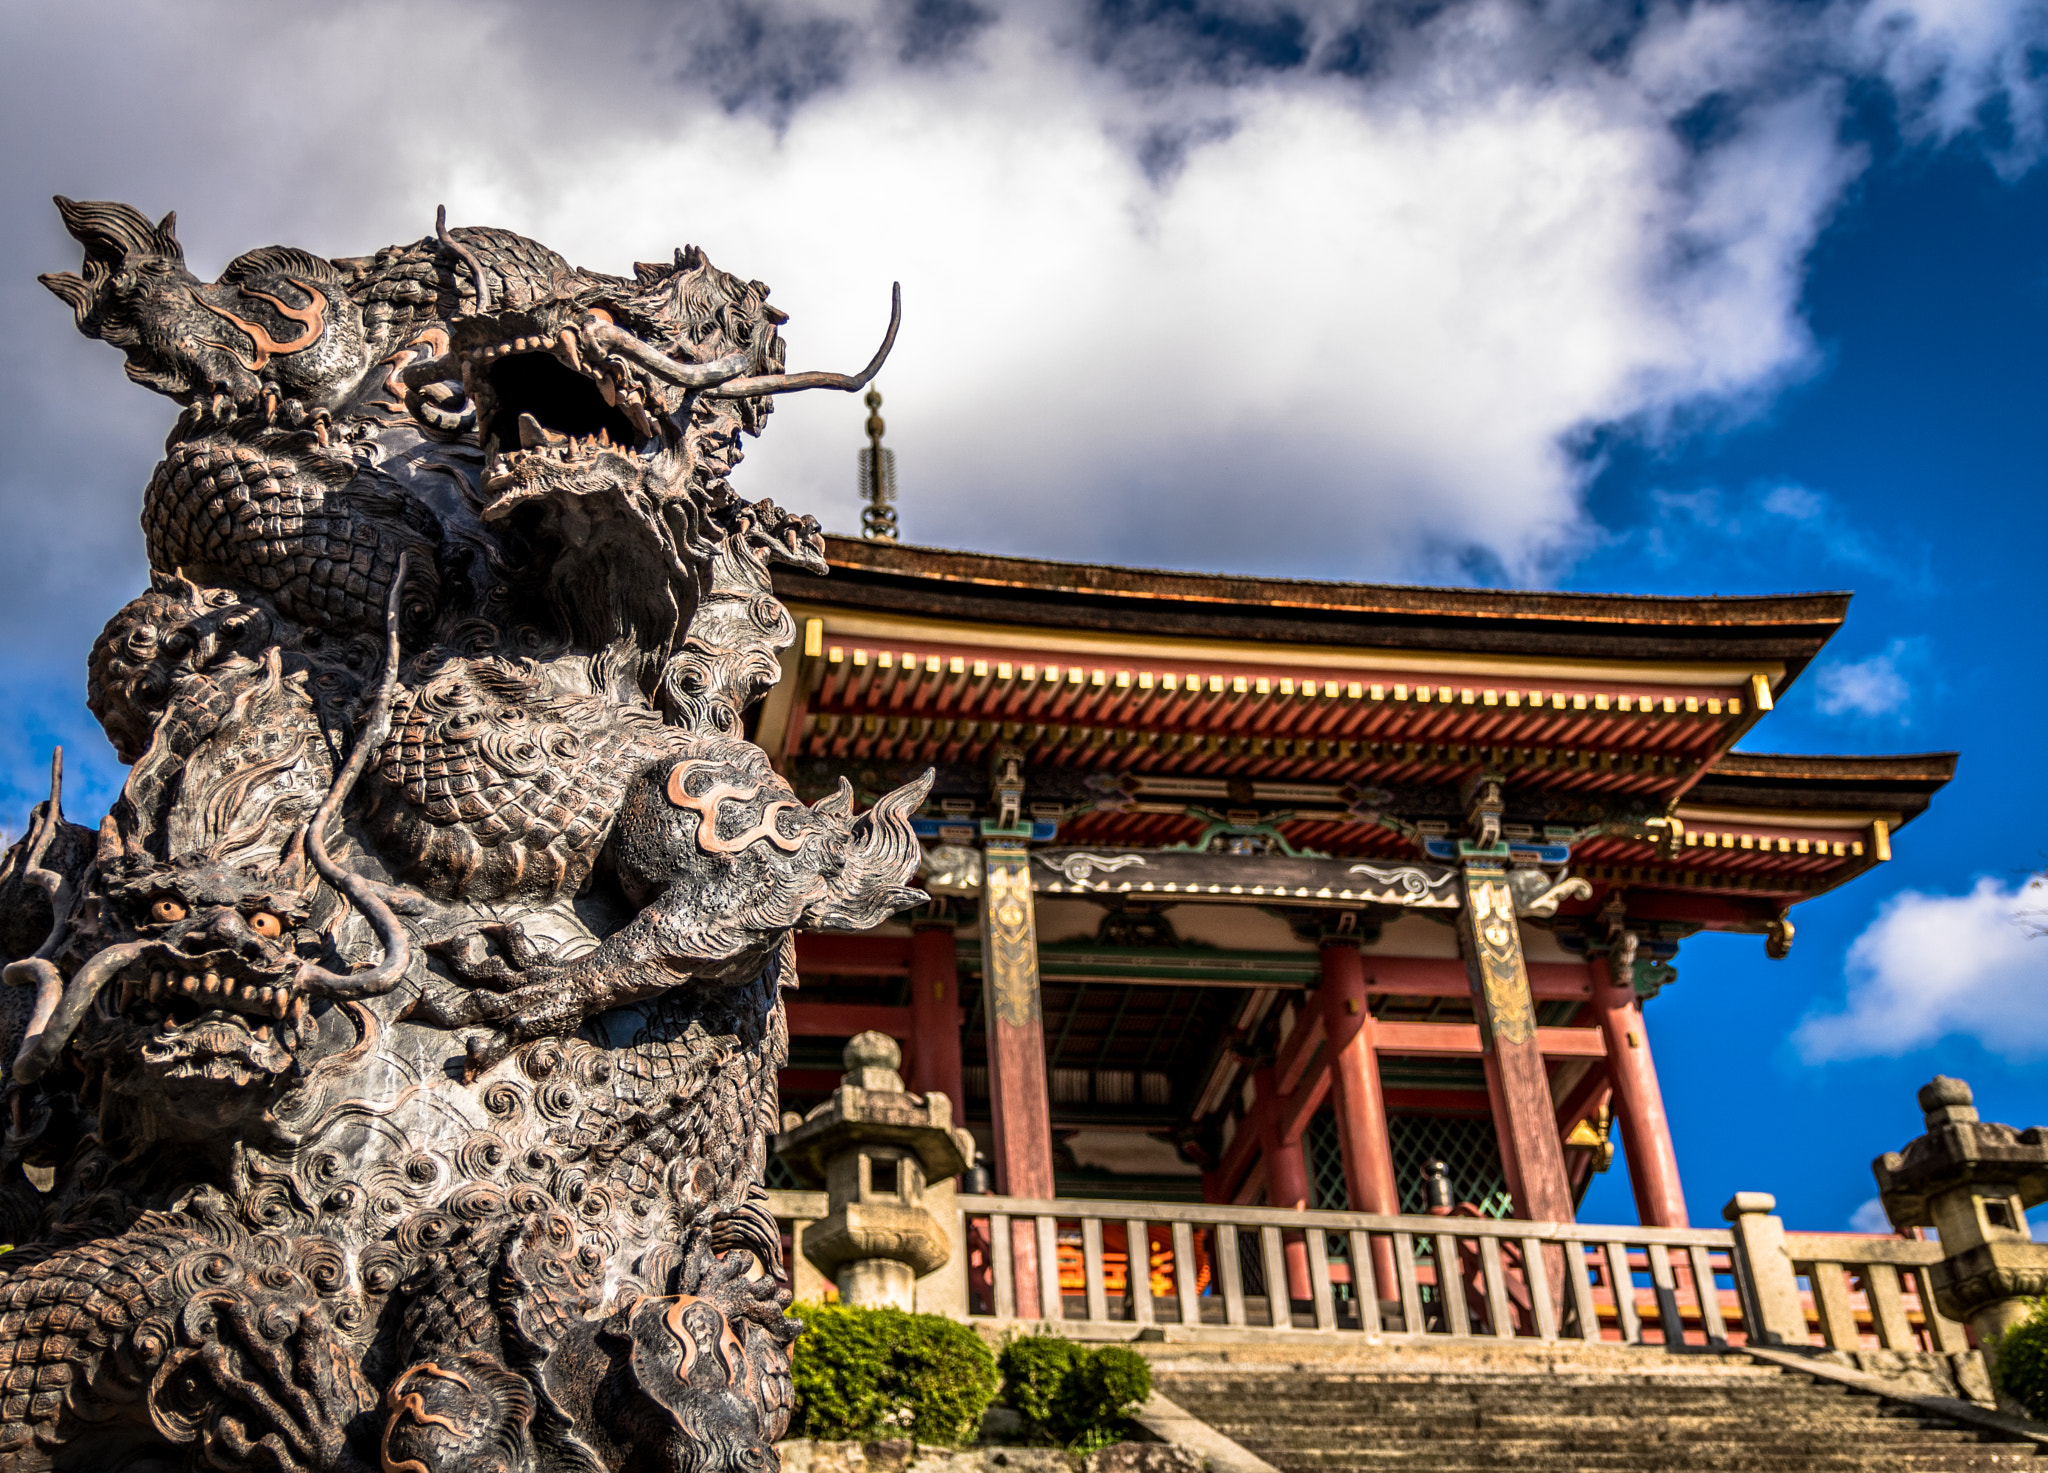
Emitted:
<point x="1764" y="1378"/>
<point x="1307" y="1386"/>
<point x="1716" y="1417"/>
<point x="1350" y="1422"/>
<point x="1651" y="1434"/>
<point x="1453" y="1456"/>
<point x="1311" y="1410"/>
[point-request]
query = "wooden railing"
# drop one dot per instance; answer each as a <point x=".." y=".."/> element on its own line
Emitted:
<point x="1236" y="1270"/>
<point x="1257" y="1269"/>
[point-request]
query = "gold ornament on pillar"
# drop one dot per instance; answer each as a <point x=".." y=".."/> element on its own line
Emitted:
<point x="1012" y="936"/>
<point x="1500" y="955"/>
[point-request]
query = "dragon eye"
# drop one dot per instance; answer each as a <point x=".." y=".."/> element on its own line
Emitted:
<point x="167" y="910"/>
<point x="263" y="923"/>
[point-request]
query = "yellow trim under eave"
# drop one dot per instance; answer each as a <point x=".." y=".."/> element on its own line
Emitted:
<point x="1707" y="818"/>
<point x="834" y="622"/>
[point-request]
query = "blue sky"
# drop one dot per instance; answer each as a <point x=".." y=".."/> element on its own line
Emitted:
<point x="1723" y="296"/>
<point x="1919" y="455"/>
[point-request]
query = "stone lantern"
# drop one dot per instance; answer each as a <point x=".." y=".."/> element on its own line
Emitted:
<point x="876" y="1149"/>
<point x="1972" y="1182"/>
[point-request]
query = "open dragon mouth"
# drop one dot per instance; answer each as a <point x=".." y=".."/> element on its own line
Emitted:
<point x="177" y="991"/>
<point x="535" y="400"/>
<point x="545" y="403"/>
<point x="210" y="1019"/>
<point x="547" y="393"/>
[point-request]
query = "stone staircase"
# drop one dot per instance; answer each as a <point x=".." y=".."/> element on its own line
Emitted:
<point x="1631" y="1412"/>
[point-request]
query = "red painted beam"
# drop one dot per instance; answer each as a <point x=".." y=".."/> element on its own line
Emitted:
<point x="934" y="1063"/>
<point x="1583" y="1101"/>
<point x="1299" y="1048"/>
<point x="1243" y="1146"/>
<point x="852" y="956"/>
<point x="1297" y="1109"/>
<point x="1464" y="1102"/>
<point x="1462" y="1039"/>
<point x="1716" y="912"/>
<point x="1639" y="1107"/>
<point x="844" y="1019"/>
<point x="1358" y="1102"/>
<point x="1428" y="976"/>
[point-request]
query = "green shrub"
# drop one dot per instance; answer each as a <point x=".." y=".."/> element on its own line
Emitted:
<point x="1070" y="1395"/>
<point x="1036" y="1369"/>
<point x="863" y="1373"/>
<point x="2021" y="1361"/>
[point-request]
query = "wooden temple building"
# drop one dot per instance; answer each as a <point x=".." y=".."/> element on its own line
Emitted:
<point x="1277" y="892"/>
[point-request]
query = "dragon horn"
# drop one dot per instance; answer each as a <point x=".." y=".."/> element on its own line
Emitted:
<point x="467" y="257"/>
<point x="111" y="232"/>
<point x="787" y="383"/>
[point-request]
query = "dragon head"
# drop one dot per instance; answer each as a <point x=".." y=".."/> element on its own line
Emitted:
<point x="717" y="836"/>
<point x="684" y="360"/>
<point x="206" y="995"/>
<point x="681" y="361"/>
<point x="277" y="328"/>
<point x="610" y="413"/>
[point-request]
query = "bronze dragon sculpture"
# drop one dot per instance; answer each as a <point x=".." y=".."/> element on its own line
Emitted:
<point x="392" y="1068"/>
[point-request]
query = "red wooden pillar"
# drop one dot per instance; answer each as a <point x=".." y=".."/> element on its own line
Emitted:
<point x="1524" y="1117"/>
<point x="935" y="1017"/>
<point x="1638" y="1101"/>
<point x="1020" y="1110"/>
<point x="1357" y="1100"/>
<point x="1286" y="1183"/>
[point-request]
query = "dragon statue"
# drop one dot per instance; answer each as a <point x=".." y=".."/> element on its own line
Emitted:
<point x="392" y="1068"/>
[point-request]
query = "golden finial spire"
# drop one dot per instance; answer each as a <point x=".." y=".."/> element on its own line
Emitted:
<point x="877" y="478"/>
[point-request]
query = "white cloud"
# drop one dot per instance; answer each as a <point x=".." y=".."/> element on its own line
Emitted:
<point x="1797" y="502"/>
<point x="1953" y="61"/>
<point x="1870" y="1218"/>
<point x="1869" y="687"/>
<point x="1940" y="966"/>
<point x="1151" y="286"/>
<point x="1750" y="528"/>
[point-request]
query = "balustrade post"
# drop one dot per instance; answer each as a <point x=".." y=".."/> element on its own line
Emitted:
<point x="1771" y="1305"/>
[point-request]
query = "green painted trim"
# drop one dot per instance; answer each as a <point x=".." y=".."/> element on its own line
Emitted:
<point x="1065" y="959"/>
